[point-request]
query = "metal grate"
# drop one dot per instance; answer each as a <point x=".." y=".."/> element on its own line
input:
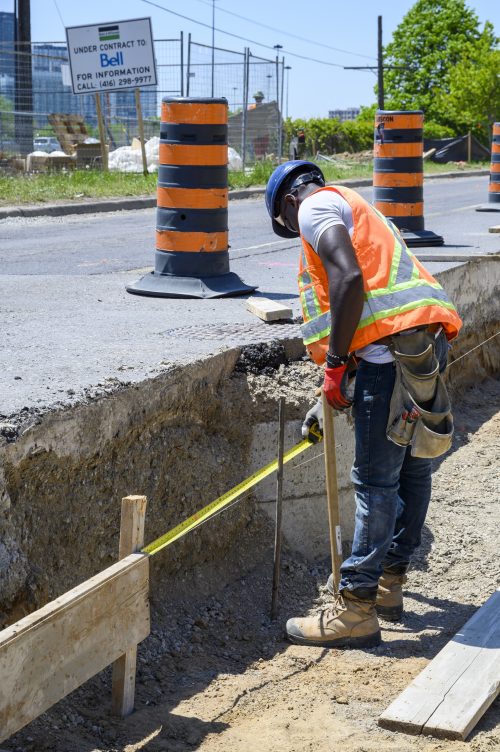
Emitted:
<point x="227" y="333"/>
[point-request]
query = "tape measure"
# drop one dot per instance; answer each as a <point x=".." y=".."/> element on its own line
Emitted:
<point x="216" y="506"/>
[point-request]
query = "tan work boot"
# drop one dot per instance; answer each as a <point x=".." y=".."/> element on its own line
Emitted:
<point x="351" y="622"/>
<point x="389" y="603"/>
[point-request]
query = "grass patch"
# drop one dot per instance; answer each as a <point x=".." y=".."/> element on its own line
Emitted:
<point x="86" y="184"/>
<point x="78" y="184"/>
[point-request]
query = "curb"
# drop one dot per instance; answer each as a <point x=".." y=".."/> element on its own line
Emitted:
<point x="148" y="202"/>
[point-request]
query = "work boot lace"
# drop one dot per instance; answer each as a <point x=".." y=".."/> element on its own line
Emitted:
<point x="335" y="609"/>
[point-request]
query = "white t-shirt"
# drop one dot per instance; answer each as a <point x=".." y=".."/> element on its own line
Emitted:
<point x="318" y="213"/>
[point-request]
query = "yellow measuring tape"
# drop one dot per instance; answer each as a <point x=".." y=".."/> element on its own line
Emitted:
<point x="216" y="506"/>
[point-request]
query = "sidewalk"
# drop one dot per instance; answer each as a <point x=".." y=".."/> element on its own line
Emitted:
<point x="91" y="206"/>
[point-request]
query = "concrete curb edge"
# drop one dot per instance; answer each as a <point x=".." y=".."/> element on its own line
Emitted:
<point x="147" y="202"/>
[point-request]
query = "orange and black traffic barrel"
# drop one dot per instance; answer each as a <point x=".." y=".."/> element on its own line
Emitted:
<point x="494" y="186"/>
<point x="192" y="259"/>
<point x="398" y="174"/>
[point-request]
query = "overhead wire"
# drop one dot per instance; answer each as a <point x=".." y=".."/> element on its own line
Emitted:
<point x="288" y="33"/>
<point x="237" y="36"/>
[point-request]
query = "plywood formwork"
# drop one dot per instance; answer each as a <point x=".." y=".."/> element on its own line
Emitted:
<point x="51" y="652"/>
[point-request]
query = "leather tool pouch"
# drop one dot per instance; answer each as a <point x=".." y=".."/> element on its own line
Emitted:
<point x="420" y="411"/>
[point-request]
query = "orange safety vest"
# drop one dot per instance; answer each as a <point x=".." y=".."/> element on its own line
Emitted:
<point x="399" y="293"/>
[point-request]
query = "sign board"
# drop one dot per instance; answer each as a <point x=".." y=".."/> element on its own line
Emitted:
<point x="111" y="56"/>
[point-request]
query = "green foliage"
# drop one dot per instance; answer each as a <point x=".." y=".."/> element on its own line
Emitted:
<point x="473" y="99"/>
<point x="445" y="65"/>
<point x="436" y="130"/>
<point x="330" y="136"/>
<point x="6" y="119"/>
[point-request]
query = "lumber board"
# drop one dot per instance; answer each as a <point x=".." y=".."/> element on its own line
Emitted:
<point x="442" y="257"/>
<point x="452" y="693"/>
<point x="51" y="652"/>
<point x="268" y="310"/>
<point x="494" y="228"/>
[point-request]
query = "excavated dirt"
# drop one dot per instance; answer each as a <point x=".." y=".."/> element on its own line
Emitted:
<point x="216" y="673"/>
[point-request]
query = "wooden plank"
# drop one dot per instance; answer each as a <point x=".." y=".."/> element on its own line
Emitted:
<point x="442" y="257"/>
<point x="49" y="653"/>
<point x="452" y="693"/>
<point x="124" y="669"/>
<point x="332" y="494"/>
<point x="494" y="228"/>
<point x="268" y="310"/>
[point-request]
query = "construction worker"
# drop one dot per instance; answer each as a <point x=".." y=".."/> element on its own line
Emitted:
<point x="393" y="320"/>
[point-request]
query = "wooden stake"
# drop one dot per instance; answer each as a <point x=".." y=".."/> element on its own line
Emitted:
<point x="140" y="123"/>
<point x="279" y="508"/>
<point x="332" y="491"/>
<point x="131" y="540"/>
<point x="102" y="134"/>
<point x="469" y="147"/>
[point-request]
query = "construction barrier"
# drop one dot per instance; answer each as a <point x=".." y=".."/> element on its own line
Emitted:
<point x="192" y="259"/>
<point x="398" y="174"/>
<point x="493" y="204"/>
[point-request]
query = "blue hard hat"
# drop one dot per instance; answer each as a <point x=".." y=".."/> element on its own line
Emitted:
<point x="281" y="175"/>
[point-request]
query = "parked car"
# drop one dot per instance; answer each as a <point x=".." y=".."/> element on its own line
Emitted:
<point x="46" y="143"/>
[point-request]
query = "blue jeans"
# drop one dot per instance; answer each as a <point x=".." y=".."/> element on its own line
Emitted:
<point x="392" y="488"/>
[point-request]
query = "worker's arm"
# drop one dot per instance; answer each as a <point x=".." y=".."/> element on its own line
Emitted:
<point x="345" y="284"/>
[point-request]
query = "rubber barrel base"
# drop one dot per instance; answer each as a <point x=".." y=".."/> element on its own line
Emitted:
<point x="488" y="208"/>
<point x="421" y="238"/>
<point x="156" y="285"/>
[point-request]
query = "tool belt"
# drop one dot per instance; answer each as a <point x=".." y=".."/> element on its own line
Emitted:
<point x="420" y="411"/>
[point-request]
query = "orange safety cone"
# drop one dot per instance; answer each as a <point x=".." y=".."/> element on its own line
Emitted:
<point x="192" y="259"/>
<point x="493" y="204"/>
<point x="398" y="174"/>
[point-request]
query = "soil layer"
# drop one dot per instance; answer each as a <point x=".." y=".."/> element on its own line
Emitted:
<point x="216" y="673"/>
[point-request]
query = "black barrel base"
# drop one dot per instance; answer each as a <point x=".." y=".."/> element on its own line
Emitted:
<point x="489" y="207"/>
<point x="167" y="286"/>
<point x="421" y="238"/>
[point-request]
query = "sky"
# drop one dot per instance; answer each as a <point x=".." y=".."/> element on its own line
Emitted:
<point x="338" y="33"/>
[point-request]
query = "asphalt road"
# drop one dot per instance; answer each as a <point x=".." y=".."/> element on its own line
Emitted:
<point x="69" y="324"/>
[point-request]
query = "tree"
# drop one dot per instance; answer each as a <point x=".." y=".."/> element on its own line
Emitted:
<point x="433" y="39"/>
<point x="472" y="101"/>
<point x="6" y="120"/>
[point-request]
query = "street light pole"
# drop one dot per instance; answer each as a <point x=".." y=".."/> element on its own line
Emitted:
<point x="288" y="68"/>
<point x="213" y="44"/>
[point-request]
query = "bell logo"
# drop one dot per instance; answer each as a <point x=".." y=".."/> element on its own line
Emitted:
<point x="107" y="61"/>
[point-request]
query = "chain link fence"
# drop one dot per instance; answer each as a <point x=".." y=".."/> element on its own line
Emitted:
<point x="253" y="87"/>
<point x="36" y="95"/>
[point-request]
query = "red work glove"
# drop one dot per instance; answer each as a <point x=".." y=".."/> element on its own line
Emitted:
<point x="334" y="387"/>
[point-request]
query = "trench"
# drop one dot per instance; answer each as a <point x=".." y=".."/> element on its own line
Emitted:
<point x="182" y="439"/>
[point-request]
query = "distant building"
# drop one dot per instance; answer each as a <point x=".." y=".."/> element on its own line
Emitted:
<point x="7" y="37"/>
<point x="351" y="113"/>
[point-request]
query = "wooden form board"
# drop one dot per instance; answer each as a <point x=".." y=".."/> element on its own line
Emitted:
<point x="425" y="258"/>
<point x="452" y="693"/>
<point x="51" y="652"/>
<point x="268" y="310"/>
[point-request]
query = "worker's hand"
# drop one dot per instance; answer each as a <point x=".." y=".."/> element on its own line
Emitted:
<point x="313" y="423"/>
<point x="334" y="387"/>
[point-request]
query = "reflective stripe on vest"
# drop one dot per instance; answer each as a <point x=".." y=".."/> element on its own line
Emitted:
<point x="406" y="291"/>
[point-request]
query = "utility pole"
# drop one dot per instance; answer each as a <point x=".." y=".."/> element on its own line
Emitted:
<point x="24" y="82"/>
<point x="380" y="66"/>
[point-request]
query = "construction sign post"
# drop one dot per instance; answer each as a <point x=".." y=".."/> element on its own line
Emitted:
<point x="107" y="57"/>
<point x="110" y="57"/>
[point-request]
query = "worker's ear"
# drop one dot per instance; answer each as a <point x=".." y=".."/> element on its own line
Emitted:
<point x="292" y="200"/>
